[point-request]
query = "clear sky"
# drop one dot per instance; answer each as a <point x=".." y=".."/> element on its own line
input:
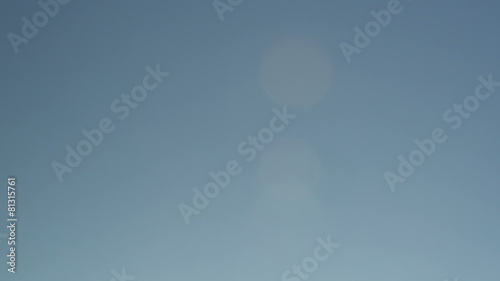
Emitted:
<point x="320" y="173"/>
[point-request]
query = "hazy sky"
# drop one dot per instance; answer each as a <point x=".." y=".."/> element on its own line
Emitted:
<point x="322" y="174"/>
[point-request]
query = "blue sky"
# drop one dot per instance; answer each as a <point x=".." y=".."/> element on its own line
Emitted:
<point x="322" y="175"/>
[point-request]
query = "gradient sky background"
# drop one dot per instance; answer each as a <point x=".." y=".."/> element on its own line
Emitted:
<point x="119" y="208"/>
